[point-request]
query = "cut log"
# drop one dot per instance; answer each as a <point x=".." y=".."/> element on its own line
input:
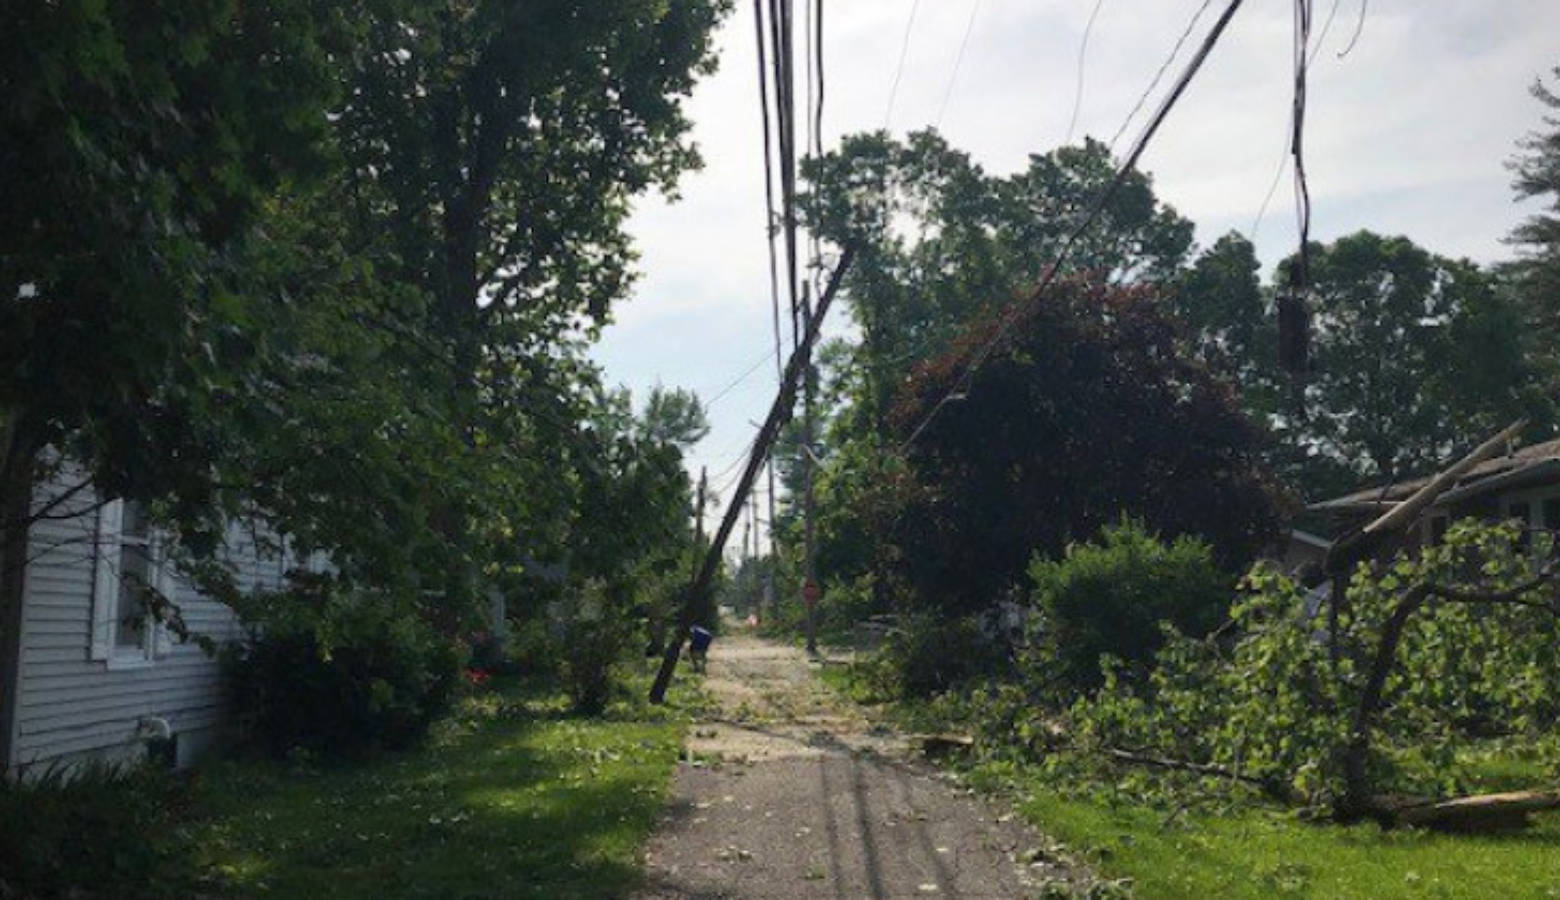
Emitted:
<point x="937" y="746"/>
<point x="1482" y="812"/>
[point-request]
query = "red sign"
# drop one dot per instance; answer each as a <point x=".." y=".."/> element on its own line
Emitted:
<point x="811" y="592"/>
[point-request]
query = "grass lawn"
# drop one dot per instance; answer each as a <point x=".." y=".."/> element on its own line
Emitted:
<point x="1260" y="853"/>
<point x="1263" y="852"/>
<point x="510" y="798"/>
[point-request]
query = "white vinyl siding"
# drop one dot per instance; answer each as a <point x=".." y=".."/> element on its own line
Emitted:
<point x="71" y="697"/>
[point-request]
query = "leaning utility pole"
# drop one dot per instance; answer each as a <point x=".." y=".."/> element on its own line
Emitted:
<point x="778" y="413"/>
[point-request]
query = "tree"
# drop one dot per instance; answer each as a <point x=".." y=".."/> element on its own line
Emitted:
<point x="318" y="262"/>
<point x="1435" y="649"/>
<point x="1081" y="410"/>
<point x="1536" y="175"/>
<point x="137" y="154"/>
<point x="941" y="243"/>
<point x="674" y="417"/>
<point x="496" y="146"/>
<point x="1414" y="354"/>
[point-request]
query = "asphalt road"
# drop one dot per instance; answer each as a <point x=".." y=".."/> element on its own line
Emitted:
<point x="791" y="792"/>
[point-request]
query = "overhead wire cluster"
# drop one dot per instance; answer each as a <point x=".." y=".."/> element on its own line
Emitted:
<point x="775" y="24"/>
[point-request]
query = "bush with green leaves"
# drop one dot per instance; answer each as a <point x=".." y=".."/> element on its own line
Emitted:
<point x="1110" y="597"/>
<point x="598" y="636"/>
<point x="929" y="654"/>
<point x="92" y="830"/>
<point x="1432" y="652"/>
<point x="340" y="673"/>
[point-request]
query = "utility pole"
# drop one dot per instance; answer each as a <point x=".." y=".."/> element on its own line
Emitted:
<point x="758" y="587"/>
<point x="810" y="587"/>
<point x="698" y="509"/>
<point x="774" y="549"/>
<point x="778" y="412"/>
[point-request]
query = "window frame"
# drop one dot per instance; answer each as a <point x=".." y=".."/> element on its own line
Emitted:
<point x="1534" y="499"/>
<point x="106" y="584"/>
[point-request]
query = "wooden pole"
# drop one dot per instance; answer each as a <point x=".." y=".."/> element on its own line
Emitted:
<point x="778" y="413"/>
<point x="809" y="553"/>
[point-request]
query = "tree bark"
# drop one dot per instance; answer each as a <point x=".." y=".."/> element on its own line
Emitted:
<point x="18" y="453"/>
<point x="1357" y="802"/>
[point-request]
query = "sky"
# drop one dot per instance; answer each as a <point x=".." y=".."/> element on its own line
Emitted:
<point x="1406" y="134"/>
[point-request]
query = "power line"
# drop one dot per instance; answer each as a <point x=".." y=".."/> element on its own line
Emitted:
<point x="818" y="73"/>
<point x="1083" y="49"/>
<point x="1163" y="67"/>
<point x="785" y="114"/>
<point x="1293" y="327"/>
<point x="1283" y="156"/>
<point x="732" y="385"/>
<point x="1359" y="28"/>
<point x="899" y="70"/>
<point x="769" y="188"/>
<point x="958" y="59"/>
<point x="1139" y="146"/>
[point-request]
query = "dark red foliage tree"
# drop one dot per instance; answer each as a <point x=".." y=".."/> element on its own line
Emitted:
<point x="1083" y="410"/>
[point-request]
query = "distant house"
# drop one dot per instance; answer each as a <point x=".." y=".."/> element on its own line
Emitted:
<point x="1523" y="484"/>
<point x="94" y="674"/>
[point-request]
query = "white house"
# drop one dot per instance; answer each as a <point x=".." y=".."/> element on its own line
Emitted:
<point x="94" y="675"/>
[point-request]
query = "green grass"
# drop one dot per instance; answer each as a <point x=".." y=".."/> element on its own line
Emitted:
<point x="1260" y="853"/>
<point x="510" y="798"/>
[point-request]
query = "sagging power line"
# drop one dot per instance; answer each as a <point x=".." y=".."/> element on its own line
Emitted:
<point x="961" y="385"/>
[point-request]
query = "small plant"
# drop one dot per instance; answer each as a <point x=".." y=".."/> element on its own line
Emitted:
<point x="92" y="830"/>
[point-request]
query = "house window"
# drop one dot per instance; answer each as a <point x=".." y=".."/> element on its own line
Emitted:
<point x="1552" y="513"/>
<point x="129" y="565"/>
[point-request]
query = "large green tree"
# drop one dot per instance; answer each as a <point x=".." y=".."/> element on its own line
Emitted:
<point x="495" y="147"/>
<point x="1078" y="411"/>
<point x="941" y="243"/>
<point x="276" y="260"/>
<point x="1415" y="355"/>
<point x="1536" y="176"/>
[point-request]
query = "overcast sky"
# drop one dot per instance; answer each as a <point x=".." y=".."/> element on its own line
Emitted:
<point x="1407" y="134"/>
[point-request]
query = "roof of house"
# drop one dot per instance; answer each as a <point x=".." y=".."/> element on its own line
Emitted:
<point x="1521" y="466"/>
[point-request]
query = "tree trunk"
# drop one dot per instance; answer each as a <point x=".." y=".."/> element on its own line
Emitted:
<point x="1358" y="801"/>
<point x="18" y="451"/>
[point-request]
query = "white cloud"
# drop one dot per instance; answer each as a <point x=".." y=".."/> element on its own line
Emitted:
<point x="1407" y="134"/>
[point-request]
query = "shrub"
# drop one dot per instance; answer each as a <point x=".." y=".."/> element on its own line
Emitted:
<point x="1110" y="598"/>
<point x="534" y="648"/>
<point x="931" y="654"/>
<point x="341" y="674"/>
<point x="597" y="636"/>
<point x="91" y="831"/>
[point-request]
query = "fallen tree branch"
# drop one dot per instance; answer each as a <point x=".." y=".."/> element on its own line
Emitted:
<point x="1267" y="786"/>
<point x="1479" y="812"/>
